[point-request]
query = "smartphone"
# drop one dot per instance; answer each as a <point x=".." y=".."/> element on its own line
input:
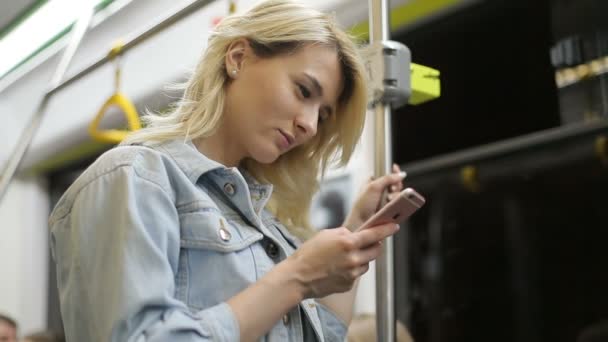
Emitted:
<point x="397" y="210"/>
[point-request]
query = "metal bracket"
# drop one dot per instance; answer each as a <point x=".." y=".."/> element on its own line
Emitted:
<point x="388" y="67"/>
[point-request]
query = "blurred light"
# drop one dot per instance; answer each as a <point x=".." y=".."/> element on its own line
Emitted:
<point x="38" y="29"/>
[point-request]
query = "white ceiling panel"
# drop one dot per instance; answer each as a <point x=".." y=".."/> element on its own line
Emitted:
<point x="10" y="9"/>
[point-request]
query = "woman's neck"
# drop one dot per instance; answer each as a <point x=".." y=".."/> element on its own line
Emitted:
<point x="219" y="148"/>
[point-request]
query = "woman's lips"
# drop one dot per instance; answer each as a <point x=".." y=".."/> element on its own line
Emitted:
<point x="286" y="140"/>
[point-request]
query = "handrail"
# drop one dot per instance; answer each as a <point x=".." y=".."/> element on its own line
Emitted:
<point x="139" y="38"/>
<point x="514" y="158"/>
<point x="27" y="136"/>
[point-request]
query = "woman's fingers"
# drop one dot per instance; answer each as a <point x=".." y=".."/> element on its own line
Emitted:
<point x="368" y="254"/>
<point x="358" y="271"/>
<point x="372" y="235"/>
<point x="396" y="168"/>
<point x="397" y="185"/>
<point x="385" y="181"/>
<point x="394" y="180"/>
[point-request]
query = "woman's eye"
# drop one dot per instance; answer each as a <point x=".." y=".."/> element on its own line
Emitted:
<point x="323" y="115"/>
<point x="304" y="91"/>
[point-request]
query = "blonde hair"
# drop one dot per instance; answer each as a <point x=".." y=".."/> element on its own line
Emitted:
<point x="273" y="28"/>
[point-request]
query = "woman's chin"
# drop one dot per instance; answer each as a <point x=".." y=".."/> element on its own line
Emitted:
<point x="267" y="157"/>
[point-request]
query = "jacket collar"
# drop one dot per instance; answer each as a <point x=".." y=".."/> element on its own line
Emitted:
<point x="195" y="165"/>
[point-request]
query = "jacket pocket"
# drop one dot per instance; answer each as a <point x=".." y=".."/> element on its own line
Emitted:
<point x="208" y="229"/>
<point x="216" y="258"/>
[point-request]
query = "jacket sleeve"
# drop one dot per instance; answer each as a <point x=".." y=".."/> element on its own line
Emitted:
<point x="117" y="253"/>
<point x="334" y="329"/>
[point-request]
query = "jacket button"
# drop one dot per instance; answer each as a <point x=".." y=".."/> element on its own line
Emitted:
<point x="272" y="250"/>
<point x="286" y="319"/>
<point x="225" y="234"/>
<point x="229" y="189"/>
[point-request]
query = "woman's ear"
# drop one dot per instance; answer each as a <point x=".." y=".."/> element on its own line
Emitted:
<point x="236" y="54"/>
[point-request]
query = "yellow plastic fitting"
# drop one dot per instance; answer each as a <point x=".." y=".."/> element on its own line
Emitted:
<point x="115" y="136"/>
<point x="601" y="149"/>
<point x="469" y="178"/>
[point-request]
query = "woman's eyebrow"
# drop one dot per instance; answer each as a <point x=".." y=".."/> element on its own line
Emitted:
<point x="315" y="83"/>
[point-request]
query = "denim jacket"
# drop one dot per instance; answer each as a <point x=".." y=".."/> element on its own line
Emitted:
<point x="151" y="241"/>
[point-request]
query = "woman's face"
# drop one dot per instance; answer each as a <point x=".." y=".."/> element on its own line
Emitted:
<point x="275" y="104"/>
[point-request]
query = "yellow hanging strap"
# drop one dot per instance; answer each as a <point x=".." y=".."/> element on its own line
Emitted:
<point x="115" y="136"/>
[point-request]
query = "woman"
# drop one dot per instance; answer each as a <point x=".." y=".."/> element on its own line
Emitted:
<point x="187" y="232"/>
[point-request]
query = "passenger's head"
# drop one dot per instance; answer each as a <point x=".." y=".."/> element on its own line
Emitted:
<point x="284" y="67"/>
<point x="256" y="67"/>
<point x="8" y="329"/>
<point x="259" y="81"/>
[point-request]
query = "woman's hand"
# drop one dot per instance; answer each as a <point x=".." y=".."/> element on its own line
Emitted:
<point x="369" y="199"/>
<point x="333" y="259"/>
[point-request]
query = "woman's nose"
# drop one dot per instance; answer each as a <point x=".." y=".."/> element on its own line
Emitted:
<point x="306" y="123"/>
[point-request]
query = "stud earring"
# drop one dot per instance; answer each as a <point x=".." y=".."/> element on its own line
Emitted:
<point x="234" y="72"/>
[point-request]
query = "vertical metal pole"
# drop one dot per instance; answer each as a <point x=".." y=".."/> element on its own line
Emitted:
<point x="433" y="272"/>
<point x="28" y="135"/>
<point x="385" y="292"/>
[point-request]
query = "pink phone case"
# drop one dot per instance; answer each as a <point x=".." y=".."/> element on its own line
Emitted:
<point x="397" y="210"/>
